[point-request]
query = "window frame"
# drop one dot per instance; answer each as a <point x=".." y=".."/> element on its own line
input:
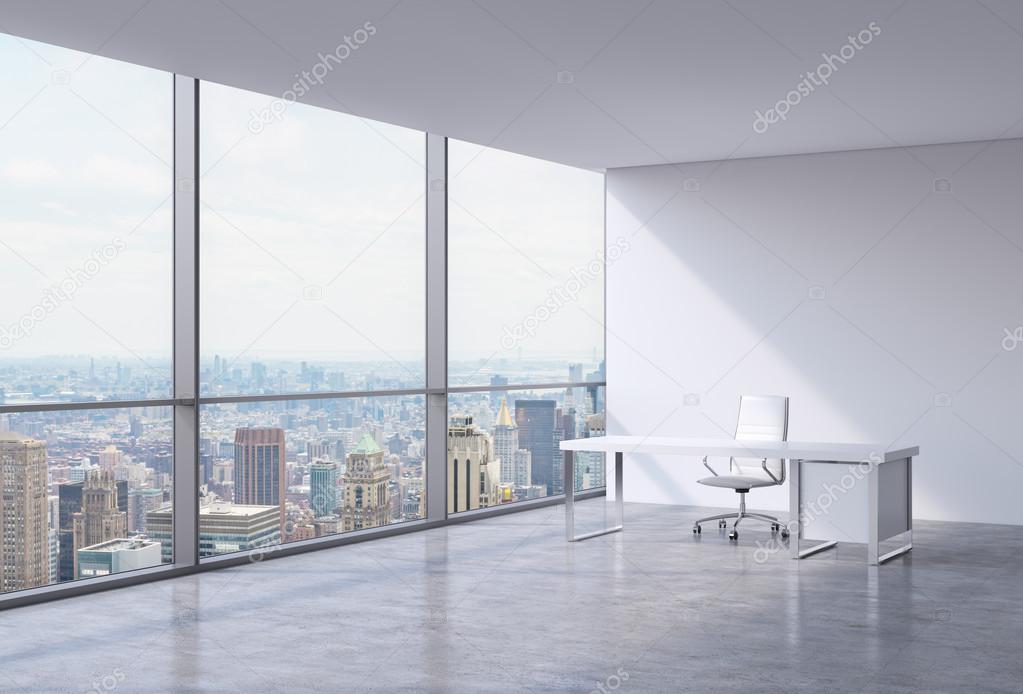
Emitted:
<point x="186" y="400"/>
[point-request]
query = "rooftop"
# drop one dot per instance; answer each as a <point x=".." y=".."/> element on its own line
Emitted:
<point x="367" y="446"/>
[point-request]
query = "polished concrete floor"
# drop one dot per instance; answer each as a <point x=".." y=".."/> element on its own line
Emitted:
<point x="506" y="605"/>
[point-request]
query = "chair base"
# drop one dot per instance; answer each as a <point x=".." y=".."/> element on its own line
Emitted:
<point x="738" y="516"/>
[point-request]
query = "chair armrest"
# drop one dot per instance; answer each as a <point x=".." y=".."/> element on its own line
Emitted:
<point x="763" y="464"/>
<point x="707" y="465"/>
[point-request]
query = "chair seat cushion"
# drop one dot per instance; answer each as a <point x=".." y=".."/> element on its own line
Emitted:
<point x="737" y="481"/>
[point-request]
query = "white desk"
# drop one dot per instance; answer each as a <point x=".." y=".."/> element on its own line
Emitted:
<point x="879" y="510"/>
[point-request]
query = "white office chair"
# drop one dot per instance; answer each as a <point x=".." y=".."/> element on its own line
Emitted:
<point x="761" y="418"/>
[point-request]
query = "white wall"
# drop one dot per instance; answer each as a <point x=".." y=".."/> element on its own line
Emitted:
<point x="716" y="297"/>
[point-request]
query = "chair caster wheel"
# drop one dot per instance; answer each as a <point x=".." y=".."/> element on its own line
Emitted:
<point x="784" y="533"/>
<point x="697" y="530"/>
<point x="733" y="535"/>
<point x="722" y="524"/>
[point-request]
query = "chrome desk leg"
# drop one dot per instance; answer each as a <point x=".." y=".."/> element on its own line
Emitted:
<point x="570" y="503"/>
<point x="796" y="515"/>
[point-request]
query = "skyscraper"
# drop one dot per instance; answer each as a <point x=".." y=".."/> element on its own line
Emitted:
<point x="25" y="552"/>
<point x="100" y="519"/>
<point x="575" y="396"/>
<point x="110" y="457"/>
<point x="323" y="479"/>
<point x="140" y="502"/>
<point x="564" y="430"/>
<point x="69" y="503"/>
<point x="523" y="470"/>
<point x="535" y="419"/>
<point x="589" y="466"/>
<point x="473" y="472"/>
<point x="259" y="474"/>
<point x="506" y="442"/>
<point x="367" y="495"/>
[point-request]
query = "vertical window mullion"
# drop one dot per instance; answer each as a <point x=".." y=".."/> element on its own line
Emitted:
<point x="436" y="326"/>
<point x="186" y="321"/>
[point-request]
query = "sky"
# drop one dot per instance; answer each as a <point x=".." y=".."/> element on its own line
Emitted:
<point x="312" y="228"/>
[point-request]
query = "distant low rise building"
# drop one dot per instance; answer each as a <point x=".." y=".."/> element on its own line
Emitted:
<point x="114" y="556"/>
<point x="223" y="527"/>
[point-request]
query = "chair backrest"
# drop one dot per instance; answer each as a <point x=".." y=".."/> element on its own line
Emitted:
<point x="761" y="418"/>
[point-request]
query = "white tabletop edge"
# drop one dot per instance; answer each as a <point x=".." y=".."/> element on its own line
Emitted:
<point x="845" y="452"/>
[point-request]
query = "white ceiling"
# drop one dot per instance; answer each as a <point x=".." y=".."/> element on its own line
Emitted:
<point x="650" y="81"/>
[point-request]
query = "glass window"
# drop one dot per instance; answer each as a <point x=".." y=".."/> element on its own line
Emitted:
<point x="86" y="184"/>
<point x="526" y="269"/>
<point x="86" y="493"/>
<point x="313" y="248"/>
<point x="289" y="470"/>
<point x="503" y="445"/>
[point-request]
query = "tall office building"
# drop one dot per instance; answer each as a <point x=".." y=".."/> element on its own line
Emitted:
<point x="323" y="479"/>
<point x="535" y="420"/>
<point x="506" y="443"/>
<point x="367" y="495"/>
<point x="596" y="393"/>
<point x="564" y="430"/>
<point x="100" y="519"/>
<point x="259" y="473"/>
<point x="205" y="467"/>
<point x="53" y="537"/>
<point x="69" y="502"/>
<point x="24" y="510"/>
<point x="523" y="470"/>
<point x="589" y="465"/>
<point x="110" y="457"/>
<point x="575" y="396"/>
<point x="140" y="502"/>
<point x="473" y="471"/>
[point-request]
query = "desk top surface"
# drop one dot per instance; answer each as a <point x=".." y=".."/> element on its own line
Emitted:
<point x="802" y="450"/>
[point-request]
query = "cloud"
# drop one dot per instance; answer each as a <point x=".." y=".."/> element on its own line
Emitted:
<point x="29" y="171"/>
